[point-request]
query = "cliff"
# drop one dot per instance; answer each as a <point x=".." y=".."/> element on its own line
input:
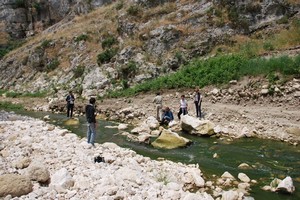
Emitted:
<point x="93" y="47"/>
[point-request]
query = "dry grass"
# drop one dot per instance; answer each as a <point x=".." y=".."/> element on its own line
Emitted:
<point x="158" y="11"/>
<point x="188" y="29"/>
<point x="282" y="40"/>
<point x="293" y="2"/>
<point x="4" y="37"/>
<point x="287" y="38"/>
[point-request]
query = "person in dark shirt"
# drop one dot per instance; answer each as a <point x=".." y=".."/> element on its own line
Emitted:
<point x="70" y="104"/>
<point x="91" y="119"/>
<point x="167" y="116"/>
<point x="197" y="101"/>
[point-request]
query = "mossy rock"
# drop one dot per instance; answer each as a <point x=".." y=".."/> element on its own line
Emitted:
<point x="72" y="121"/>
<point x="170" y="140"/>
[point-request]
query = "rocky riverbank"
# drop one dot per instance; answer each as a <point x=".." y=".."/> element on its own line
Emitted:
<point x="42" y="161"/>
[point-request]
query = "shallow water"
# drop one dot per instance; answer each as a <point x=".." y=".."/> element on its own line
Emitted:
<point x="268" y="159"/>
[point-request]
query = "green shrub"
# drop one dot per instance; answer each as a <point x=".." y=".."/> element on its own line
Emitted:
<point x="217" y="71"/>
<point x="249" y="50"/>
<point x="13" y="44"/>
<point x="108" y="42"/>
<point x="120" y="5"/>
<point x="106" y="56"/>
<point x="3" y="52"/>
<point x="283" y="20"/>
<point x="133" y="10"/>
<point x="10" y="106"/>
<point x="37" y="7"/>
<point x="2" y="92"/>
<point x="125" y="84"/>
<point x="20" y="4"/>
<point x="82" y="37"/>
<point x="268" y="46"/>
<point x="129" y="70"/>
<point x="46" y="43"/>
<point x="78" y="71"/>
<point x="52" y="65"/>
<point x="13" y="94"/>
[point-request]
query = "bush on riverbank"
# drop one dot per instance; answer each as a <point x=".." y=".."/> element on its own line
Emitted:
<point x="217" y="71"/>
<point x="10" y="106"/>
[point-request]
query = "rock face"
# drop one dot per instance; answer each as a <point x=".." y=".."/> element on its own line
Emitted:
<point x="72" y="60"/>
<point x="14" y="185"/>
<point x="28" y="17"/>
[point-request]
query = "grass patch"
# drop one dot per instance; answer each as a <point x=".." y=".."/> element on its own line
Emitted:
<point x="216" y="71"/>
<point x="5" y="49"/>
<point x="10" y="106"/>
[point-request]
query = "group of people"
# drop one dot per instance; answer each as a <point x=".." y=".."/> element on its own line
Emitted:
<point x="167" y="116"/>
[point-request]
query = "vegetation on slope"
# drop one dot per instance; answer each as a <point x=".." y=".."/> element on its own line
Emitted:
<point x="217" y="71"/>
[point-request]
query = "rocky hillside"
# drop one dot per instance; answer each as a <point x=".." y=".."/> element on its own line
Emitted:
<point x="96" y="46"/>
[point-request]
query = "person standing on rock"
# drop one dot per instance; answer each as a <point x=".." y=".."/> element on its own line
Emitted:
<point x="91" y="119"/>
<point x="158" y="104"/>
<point x="183" y="107"/>
<point x="70" y="104"/>
<point x="197" y="101"/>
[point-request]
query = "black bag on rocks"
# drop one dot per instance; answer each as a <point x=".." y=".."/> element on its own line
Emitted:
<point x="99" y="159"/>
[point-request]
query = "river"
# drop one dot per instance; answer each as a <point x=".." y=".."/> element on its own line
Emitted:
<point x="269" y="159"/>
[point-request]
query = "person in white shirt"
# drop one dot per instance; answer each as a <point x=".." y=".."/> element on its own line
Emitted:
<point x="183" y="107"/>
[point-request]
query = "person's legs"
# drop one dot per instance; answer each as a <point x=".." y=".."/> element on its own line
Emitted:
<point x="184" y="111"/>
<point x="158" y="112"/>
<point x="71" y="110"/>
<point x="200" y="113"/>
<point x="68" y="110"/>
<point x="197" y="109"/>
<point x="179" y="113"/>
<point x="89" y="132"/>
<point x="93" y="133"/>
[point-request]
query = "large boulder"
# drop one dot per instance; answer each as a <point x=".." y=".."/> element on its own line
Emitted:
<point x="170" y="140"/>
<point x="14" y="185"/>
<point x="39" y="173"/>
<point x="195" y="126"/>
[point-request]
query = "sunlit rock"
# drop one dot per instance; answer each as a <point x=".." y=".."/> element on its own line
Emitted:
<point x="14" y="185"/>
<point x="244" y="166"/>
<point x="72" y="121"/>
<point x="170" y="140"/>
<point x="286" y="185"/>
<point x="37" y="172"/>
<point x="122" y="126"/>
<point x="195" y="126"/>
<point x="227" y="175"/>
<point x="62" y="178"/>
<point x="243" y="177"/>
